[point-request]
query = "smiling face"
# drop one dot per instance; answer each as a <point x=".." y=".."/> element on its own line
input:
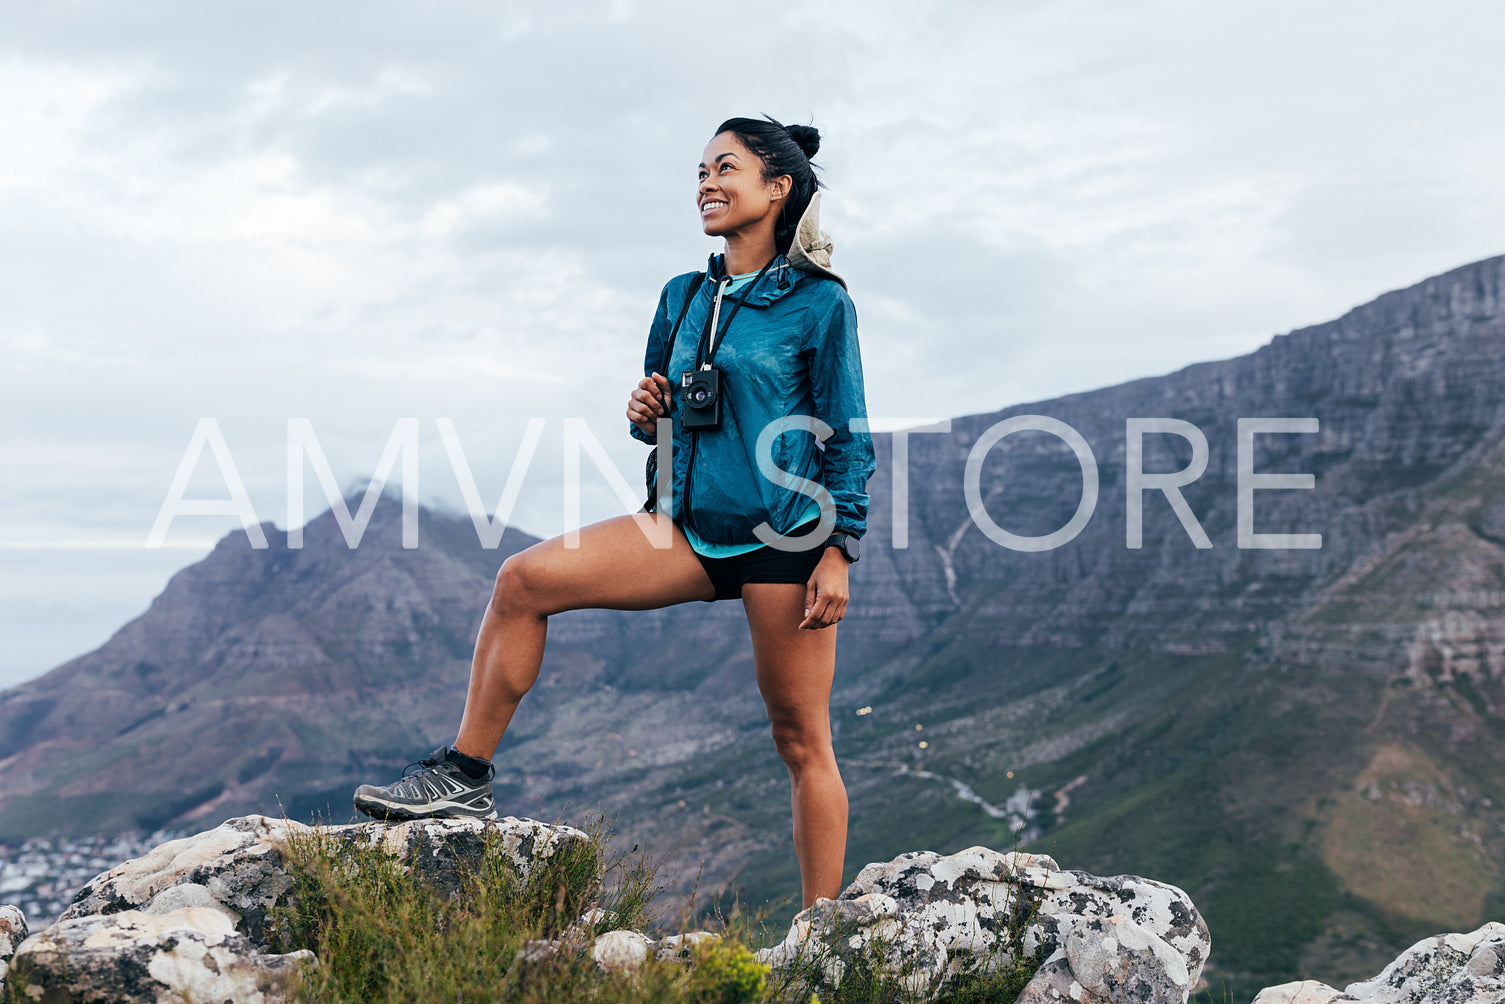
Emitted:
<point x="733" y="198"/>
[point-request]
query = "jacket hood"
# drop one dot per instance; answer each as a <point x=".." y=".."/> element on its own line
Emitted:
<point x="812" y="247"/>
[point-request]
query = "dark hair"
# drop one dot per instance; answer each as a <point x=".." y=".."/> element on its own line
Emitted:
<point x="783" y="150"/>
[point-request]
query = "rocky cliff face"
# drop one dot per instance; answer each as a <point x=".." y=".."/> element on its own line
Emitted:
<point x="1304" y="734"/>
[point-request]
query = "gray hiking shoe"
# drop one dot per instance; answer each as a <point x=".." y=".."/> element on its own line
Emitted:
<point x="437" y="790"/>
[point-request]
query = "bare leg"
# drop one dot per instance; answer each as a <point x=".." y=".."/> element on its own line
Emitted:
<point x="615" y="567"/>
<point x="794" y="670"/>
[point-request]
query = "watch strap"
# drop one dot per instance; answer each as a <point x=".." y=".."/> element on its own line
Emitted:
<point x="846" y="543"/>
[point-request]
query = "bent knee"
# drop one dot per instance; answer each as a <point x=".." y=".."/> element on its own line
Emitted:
<point x="516" y="590"/>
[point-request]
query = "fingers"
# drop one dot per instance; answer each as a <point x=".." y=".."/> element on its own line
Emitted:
<point x="647" y="403"/>
<point x="812" y="593"/>
<point x="653" y="393"/>
<point x="823" y="606"/>
<point x="641" y="416"/>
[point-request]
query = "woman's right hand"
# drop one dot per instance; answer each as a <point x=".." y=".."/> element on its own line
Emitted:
<point x="648" y="402"/>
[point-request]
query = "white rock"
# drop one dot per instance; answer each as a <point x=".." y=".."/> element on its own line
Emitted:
<point x="133" y="957"/>
<point x="1114" y="958"/>
<point x="13" y="931"/>
<point x="680" y="946"/>
<point x="1302" y="992"/>
<point x="939" y="915"/>
<point x="615" y="951"/>
<point x="1446" y="969"/>
<point x="188" y="894"/>
<point x="192" y="913"/>
<point x="241" y="862"/>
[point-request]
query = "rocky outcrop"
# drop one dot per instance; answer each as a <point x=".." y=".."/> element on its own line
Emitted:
<point x="188" y="920"/>
<point x="235" y="869"/>
<point x="136" y="957"/>
<point x="238" y="868"/>
<point x="1446" y="969"/>
<point x="936" y="917"/>
<point x="13" y="931"/>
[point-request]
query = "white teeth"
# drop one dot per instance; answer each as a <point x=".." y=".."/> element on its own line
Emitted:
<point x="712" y="205"/>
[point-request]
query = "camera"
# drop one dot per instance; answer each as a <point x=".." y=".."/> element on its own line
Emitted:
<point x="700" y="396"/>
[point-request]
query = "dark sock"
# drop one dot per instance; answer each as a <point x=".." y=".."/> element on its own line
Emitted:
<point x="473" y="768"/>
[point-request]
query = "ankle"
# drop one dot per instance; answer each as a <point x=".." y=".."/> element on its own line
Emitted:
<point x="474" y="767"/>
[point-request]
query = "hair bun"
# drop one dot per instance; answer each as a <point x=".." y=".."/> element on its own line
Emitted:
<point x="807" y="138"/>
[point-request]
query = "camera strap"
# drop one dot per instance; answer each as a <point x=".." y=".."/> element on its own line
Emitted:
<point x="689" y="299"/>
<point x="711" y="340"/>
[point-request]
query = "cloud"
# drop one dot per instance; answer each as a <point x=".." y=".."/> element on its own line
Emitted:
<point x="356" y="213"/>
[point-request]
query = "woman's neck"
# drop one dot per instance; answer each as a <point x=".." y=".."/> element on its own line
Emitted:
<point x="748" y="252"/>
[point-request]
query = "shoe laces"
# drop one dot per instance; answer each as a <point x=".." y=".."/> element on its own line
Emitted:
<point x="429" y="762"/>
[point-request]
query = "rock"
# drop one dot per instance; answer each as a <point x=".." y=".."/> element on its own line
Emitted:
<point x="1446" y="969"/>
<point x="536" y="950"/>
<point x="616" y="951"/>
<point x="188" y="894"/>
<point x="1120" y="935"/>
<point x="681" y="947"/>
<point x="134" y="957"/>
<point x="442" y="850"/>
<point x="240" y="865"/>
<point x="937" y="916"/>
<point x="1302" y="992"/>
<point x="13" y="931"/>
<point x="591" y="918"/>
<point x="188" y="919"/>
<point x="1109" y="958"/>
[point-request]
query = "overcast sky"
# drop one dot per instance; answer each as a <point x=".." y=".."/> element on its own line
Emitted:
<point x="360" y="212"/>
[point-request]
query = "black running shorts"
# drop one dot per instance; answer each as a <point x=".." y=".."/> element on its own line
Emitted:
<point x="765" y="564"/>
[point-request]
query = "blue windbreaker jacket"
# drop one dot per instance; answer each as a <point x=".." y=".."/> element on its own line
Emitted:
<point x="790" y="350"/>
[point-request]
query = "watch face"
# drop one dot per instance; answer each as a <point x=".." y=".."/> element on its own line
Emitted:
<point x="846" y="544"/>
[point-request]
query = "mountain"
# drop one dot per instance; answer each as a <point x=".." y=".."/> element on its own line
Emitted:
<point x="1309" y="741"/>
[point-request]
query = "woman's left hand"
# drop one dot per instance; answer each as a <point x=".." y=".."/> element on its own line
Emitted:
<point x="826" y="594"/>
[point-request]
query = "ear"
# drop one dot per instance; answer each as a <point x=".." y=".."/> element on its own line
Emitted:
<point x="781" y="186"/>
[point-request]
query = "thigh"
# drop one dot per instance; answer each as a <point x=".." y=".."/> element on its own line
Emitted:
<point x="794" y="667"/>
<point x="615" y="567"/>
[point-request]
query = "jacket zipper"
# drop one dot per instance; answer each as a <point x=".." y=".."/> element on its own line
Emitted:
<point x="684" y="506"/>
<point x="684" y="503"/>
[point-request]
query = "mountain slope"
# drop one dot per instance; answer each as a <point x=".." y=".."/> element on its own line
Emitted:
<point x="1308" y="741"/>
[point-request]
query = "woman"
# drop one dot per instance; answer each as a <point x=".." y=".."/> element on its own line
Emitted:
<point x="777" y="327"/>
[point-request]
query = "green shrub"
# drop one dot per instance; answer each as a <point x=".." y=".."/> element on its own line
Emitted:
<point x="382" y="934"/>
<point x="728" y="973"/>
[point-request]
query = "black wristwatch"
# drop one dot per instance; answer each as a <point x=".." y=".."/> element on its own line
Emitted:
<point x="847" y="545"/>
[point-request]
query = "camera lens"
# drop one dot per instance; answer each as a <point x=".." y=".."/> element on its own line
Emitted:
<point x="700" y="394"/>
